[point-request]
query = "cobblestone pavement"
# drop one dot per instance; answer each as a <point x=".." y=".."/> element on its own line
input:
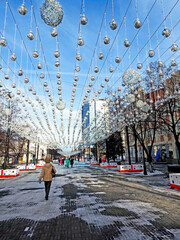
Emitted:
<point x="88" y="203"/>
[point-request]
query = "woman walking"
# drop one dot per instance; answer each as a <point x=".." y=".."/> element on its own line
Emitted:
<point x="46" y="174"/>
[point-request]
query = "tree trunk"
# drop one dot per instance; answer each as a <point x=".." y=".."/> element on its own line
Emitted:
<point x="178" y="148"/>
<point x="144" y="163"/>
<point x="135" y="144"/>
<point x="129" y="155"/>
<point x="27" y="156"/>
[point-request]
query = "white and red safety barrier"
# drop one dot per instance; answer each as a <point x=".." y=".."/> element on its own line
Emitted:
<point x="55" y="161"/>
<point x="9" y="172"/>
<point x="88" y="162"/>
<point x="130" y="168"/>
<point x="30" y="167"/>
<point x="40" y="164"/>
<point x="174" y="180"/>
<point x="108" y="165"/>
<point x="94" y="163"/>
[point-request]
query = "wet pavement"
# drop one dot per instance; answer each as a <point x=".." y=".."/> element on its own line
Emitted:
<point x="89" y="203"/>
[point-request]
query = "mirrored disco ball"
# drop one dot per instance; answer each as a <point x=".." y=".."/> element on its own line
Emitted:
<point x="130" y="77"/>
<point x="52" y="12"/>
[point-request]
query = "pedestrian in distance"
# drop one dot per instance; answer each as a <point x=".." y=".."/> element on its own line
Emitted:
<point x="67" y="162"/>
<point x="47" y="175"/>
<point x="72" y="162"/>
<point x="158" y="155"/>
<point x="34" y="159"/>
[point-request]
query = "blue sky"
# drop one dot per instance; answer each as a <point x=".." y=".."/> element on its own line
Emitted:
<point x="67" y="36"/>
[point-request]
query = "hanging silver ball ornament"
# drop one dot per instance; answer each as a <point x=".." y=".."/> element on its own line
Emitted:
<point x="47" y="89"/>
<point x="151" y="53"/>
<point x="173" y="63"/>
<point x="13" y="85"/>
<point x="92" y="78"/>
<point x="58" y="75"/>
<point x="76" y="78"/>
<point x="54" y="32"/>
<point x="73" y="90"/>
<point x="13" y="57"/>
<point x="0" y="67"/>
<point x="113" y="24"/>
<point x="106" y="79"/>
<point x="57" y="63"/>
<point x="90" y="84"/>
<point x="139" y="65"/>
<point x="58" y="82"/>
<point x="148" y="69"/>
<point x="51" y="12"/>
<point x="59" y="93"/>
<point x="3" y="42"/>
<point x="6" y="76"/>
<point x="119" y="89"/>
<point x="57" y="54"/>
<point x="20" y="72"/>
<point x="30" y="89"/>
<point x="22" y="9"/>
<point x="126" y="43"/>
<point x="74" y="84"/>
<point x="102" y="85"/>
<point x="35" y="54"/>
<point x="166" y="32"/>
<point x="160" y="73"/>
<point x="137" y="23"/>
<point x="45" y="84"/>
<point x="99" y="91"/>
<point x="26" y="80"/>
<point x="39" y="66"/>
<point x="80" y="41"/>
<point x="1" y="93"/>
<point x="18" y="92"/>
<point x="111" y="69"/>
<point x="17" y="99"/>
<point x="83" y="20"/>
<point x="113" y="94"/>
<point x="59" y="89"/>
<point x="30" y="35"/>
<point x="117" y="59"/>
<point x="1" y="84"/>
<point x="77" y="68"/>
<point x="34" y="93"/>
<point x="78" y="57"/>
<point x="106" y="40"/>
<point x="96" y="69"/>
<point x="89" y="90"/>
<point x="174" y="47"/>
<point x="101" y="55"/>
<point x="160" y="63"/>
<point x="23" y="94"/>
<point x="42" y="75"/>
